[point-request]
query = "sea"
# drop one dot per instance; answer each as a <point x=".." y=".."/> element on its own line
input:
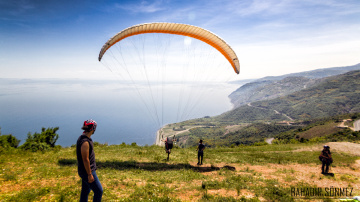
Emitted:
<point x="125" y="112"/>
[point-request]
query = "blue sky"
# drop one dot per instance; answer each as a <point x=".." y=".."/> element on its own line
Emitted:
<point x="62" y="39"/>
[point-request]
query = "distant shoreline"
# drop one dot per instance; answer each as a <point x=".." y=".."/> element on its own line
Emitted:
<point x="158" y="141"/>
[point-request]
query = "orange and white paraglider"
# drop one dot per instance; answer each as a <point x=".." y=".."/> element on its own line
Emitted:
<point x="178" y="29"/>
<point x="170" y="65"/>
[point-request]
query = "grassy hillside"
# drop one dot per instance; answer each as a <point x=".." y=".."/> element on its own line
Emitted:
<point x="332" y="129"/>
<point x="321" y="99"/>
<point x="267" y="90"/>
<point x="255" y="133"/>
<point x="215" y="133"/>
<point x="133" y="173"/>
<point x="221" y="136"/>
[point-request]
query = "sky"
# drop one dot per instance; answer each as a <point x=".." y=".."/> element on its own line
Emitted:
<point x="62" y="39"/>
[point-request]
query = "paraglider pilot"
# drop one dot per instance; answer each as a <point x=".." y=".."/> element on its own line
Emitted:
<point x="325" y="158"/>
<point x="168" y="145"/>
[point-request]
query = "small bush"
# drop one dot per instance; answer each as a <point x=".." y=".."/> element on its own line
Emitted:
<point x="41" y="141"/>
<point x="9" y="141"/>
<point x="98" y="144"/>
<point x="260" y="143"/>
<point x="35" y="146"/>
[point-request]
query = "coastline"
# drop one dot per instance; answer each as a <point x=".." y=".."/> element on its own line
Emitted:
<point x="161" y="132"/>
<point x="158" y="141"/>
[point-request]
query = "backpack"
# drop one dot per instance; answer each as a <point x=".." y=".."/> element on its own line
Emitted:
<point x="169" y="140"/>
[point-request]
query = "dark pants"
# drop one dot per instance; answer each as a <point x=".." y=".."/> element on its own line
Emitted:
<point x="86" y="187"/>
<point x="200" y="157"/>
<point x="325" y="165"/>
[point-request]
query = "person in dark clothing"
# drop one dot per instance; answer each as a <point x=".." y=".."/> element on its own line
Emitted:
<point x="168" y="145"/>
<point x="325" y="158"/>
<point x="86" y="163"/>
<point x="200" y="150"/>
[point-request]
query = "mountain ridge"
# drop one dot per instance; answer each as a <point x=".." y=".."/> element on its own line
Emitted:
<point x="276" y="86"/>
<point x="332" y="96"/>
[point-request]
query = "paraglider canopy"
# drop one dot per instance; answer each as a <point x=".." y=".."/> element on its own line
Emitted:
<point x="178" y="29"/>
<point x="174" y="71"/>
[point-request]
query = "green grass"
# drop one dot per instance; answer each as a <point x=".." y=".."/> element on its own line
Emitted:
<point x="134" y="173"/>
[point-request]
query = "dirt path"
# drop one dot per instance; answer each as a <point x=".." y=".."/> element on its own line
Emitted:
<point x="357" y="125"/>
<point x="345" y="147"/>
<point x="276" y="112"/>
<point x="289" y="175"/>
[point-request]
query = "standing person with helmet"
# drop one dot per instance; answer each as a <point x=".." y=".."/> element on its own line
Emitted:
<point x="86" y="163"/>
<point x="326" y="159"/>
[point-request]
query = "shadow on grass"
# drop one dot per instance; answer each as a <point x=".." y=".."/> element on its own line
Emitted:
<point x="151" y="166"/>
<point x="329" y="174"/>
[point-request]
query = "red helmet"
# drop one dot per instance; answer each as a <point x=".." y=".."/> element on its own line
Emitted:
<point x="89" y="125"/>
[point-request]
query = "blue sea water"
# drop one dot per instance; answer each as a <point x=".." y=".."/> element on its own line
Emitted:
<point x="124" y="113"/>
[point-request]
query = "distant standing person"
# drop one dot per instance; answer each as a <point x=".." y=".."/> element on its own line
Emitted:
<point x="325" y="158"/>
<point x="200" y="150"/>
<point x="168" y="145"/>
<point x="86" y="163"/>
